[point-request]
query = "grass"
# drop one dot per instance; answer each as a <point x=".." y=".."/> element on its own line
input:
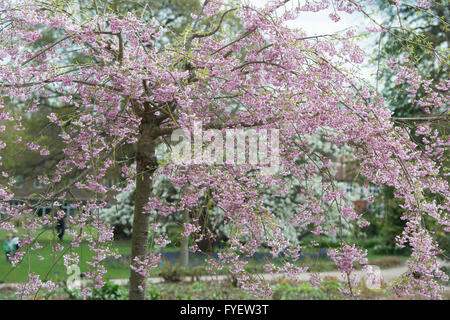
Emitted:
<point x="52" y="268"/>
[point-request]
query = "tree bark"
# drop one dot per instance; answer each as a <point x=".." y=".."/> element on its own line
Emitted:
<point x="145" y="167"/>
<point x="184" y="244"/>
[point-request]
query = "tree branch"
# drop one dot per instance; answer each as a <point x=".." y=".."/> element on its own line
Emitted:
<point x="249" y="32"/>
<point x="45" y="50"/>
<point x="203" y="35"/>
<point x="424" y="119"/>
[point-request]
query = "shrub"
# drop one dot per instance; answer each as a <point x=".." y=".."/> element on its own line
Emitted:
<point x="328" y="289"/>
<point x="172" y="272"/>
<point x="387" y="250"/>
<point x="110" y="291"/>
<point x="387" y="262"/>
<point x="154" y="293"/>
<point x="196" y="272"/>
<point x="121" y="215"/>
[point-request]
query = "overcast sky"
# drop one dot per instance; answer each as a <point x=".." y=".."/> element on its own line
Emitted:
<point x="317" y="23"/>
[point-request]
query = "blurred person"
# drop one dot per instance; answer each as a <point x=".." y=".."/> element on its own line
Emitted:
<point x="15" y="240"/>
<point x="60" y="228"/>
<point x="8" y="246"/>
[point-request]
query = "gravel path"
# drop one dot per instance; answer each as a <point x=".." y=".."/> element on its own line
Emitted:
<point x="387" y="275"/>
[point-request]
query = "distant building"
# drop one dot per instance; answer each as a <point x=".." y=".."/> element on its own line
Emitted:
<point x="354" y="191"/>
<point x="24" y="189"/>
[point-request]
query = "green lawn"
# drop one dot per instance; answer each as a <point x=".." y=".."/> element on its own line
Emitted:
<point x="52" y="268"/>
<point x="42" y="267"/>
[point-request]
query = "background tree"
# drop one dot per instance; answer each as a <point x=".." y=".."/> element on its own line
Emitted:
<point x="420" y="37"/>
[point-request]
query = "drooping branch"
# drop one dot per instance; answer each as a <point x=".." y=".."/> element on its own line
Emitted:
<point x="243" y="36"/>
<point x="444" y="117"/>
<point x="41" y="52"/>
<point x="208" y="34"/>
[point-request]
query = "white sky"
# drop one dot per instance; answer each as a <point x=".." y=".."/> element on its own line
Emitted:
<point x="317" y="23"/>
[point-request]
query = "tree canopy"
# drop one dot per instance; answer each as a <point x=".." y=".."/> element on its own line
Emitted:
<point x="278" y="83"/>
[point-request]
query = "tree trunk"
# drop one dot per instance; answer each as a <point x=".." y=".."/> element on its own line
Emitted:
<point x="184" y="244"/>
<point x="145" y="167"/>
